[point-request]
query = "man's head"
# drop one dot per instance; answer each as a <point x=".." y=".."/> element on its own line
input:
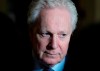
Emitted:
<point x="51" y="23"/>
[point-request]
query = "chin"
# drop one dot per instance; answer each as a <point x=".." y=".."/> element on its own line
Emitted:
<point x="51" y="61"/>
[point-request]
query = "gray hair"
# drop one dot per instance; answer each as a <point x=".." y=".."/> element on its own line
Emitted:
<point x="36" y="7"/>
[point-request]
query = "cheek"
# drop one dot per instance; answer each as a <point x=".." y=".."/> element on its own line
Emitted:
<point x="65" y="46"/>
<point x="41" y="44"/>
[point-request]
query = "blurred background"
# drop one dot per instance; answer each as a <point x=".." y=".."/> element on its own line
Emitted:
<point x="89" y="11"/>
<point x="84" y="44"/>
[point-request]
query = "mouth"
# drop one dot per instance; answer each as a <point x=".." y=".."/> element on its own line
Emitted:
<point x="50" y="53"/>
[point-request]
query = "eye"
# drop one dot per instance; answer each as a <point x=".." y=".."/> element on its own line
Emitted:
<point x="45" y="34"/>
<point x="62" y="35"/>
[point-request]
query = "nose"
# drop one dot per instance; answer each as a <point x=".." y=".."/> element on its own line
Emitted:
<point x="54" y="42"/>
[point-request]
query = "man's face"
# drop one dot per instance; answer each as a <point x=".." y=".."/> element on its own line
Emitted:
<point x="51" y="39"/>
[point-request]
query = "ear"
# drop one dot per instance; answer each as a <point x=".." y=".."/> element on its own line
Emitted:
<point x="32" y="34"/>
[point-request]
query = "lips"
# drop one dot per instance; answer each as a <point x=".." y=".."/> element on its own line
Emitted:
<point x="50" y="53"/>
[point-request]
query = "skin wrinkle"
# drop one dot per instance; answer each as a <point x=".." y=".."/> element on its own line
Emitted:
<point x="50" y="44"/>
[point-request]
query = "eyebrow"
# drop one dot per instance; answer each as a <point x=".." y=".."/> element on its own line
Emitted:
<point x="59" y="32"/>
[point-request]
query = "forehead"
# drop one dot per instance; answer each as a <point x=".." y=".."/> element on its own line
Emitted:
<point x="51" y="12"/>
<point x="58" y="18"/>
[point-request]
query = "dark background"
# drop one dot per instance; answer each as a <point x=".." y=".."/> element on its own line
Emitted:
<point x="16" y="47"/>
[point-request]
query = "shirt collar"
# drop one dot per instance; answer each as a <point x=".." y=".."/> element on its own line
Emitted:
<point x="57" y="67"/>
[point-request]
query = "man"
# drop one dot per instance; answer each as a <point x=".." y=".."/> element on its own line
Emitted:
<point x="51" y="23"/>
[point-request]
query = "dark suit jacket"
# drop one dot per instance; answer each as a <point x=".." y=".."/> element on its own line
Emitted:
<point x="70" y="65"/>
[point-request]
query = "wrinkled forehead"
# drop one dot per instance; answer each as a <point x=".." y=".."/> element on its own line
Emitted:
<point x="57" y="17"/>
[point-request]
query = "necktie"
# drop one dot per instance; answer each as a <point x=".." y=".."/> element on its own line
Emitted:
<point x="48" y="69"/>
<point x="45" y="67"/>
